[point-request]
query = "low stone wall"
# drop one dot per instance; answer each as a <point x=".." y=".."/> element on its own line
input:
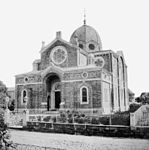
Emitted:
<point x="140" y="117"/>
<point x="88" y="129"/>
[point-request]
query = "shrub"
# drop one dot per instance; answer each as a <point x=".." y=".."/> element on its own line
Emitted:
<point x="95" y="120"/>
<point x="5" y="142"/>
<point x="47" y="119"/>
<point x="133" y="107"/>
<point x="87" y="120"/>
<point x="62" y="114"/>
<point x="69" y="115"/>
<point x="79" y="119"/>
<point x="39" y="118"/>
<point x="121" y="118"/>
<point x="11" y="105"/>
<point x="70" y="120"/>
<point x="104" y="120"/>
<point x="61" y="119"/>
<point x="53" y="119"/>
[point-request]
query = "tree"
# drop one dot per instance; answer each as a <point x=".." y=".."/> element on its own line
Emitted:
<point x="11" y="105"/>
<point x="3" y="94"/>
<point x="131" y="95"/>
<point x="133" y="107"/>
<point x="143" y="99"/>
<point x="5" y="142"/>
<point x="138" y="100"/>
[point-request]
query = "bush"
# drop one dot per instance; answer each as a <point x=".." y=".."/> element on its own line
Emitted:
<point x="61" y="119"/>
<point x="87" y="120"/>
<point x="133" y="107"/>
<point x="95" y="120"/>
<point x="70" y="120"/>
<point x="104" y="120"/>
<point x="62" y="114"/>
<point x="47" y="119"/>
<point x="79" y="120"/>
<point x="5" y="142"/>
<point x="11" y="105"/>
<point x="53" y="119"/>
<point x="39" y="118"/>
<point x="121" y="118"/>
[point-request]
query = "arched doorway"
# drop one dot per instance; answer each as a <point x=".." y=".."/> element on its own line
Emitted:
<point x="53" y="90"/>
<point x="56" y="94"/>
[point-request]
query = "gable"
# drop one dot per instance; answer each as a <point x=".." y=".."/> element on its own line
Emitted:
<point x="71" y="52"/>
<point x="55" y="41"/>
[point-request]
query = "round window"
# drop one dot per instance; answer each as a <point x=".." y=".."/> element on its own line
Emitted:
<point x="58" y="55"/>
<point x="91" y="46"/>
<point x="81" y="46"/>
<point x="26" y="79"/>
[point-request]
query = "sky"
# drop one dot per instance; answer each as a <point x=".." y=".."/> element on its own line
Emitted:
<point x="121" y="24"/>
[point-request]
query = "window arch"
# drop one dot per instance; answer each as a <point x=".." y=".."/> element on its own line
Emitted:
<point x="24" y="96"/>
<point x="84" y="95"/>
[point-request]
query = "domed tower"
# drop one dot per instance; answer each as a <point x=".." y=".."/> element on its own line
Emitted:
<point x="87" y="38"/>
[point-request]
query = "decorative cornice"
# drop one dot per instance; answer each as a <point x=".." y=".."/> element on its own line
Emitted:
<point x="29" y="73"/>
<point x="81" y="80"/>
<point x="29" y="83"/>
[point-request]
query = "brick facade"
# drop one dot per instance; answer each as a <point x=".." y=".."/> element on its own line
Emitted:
<point x="67" y="77"/>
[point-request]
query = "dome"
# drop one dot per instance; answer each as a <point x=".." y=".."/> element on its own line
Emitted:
<point x="86" y="38"/>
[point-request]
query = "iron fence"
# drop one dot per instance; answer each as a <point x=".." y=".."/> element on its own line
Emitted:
<point x="17" y="146"/>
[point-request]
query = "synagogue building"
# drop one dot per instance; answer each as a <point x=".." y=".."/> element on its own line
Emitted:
<point x="75" y="75"/>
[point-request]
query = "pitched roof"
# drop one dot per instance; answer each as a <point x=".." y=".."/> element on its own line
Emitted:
<point x="63" y="41"/>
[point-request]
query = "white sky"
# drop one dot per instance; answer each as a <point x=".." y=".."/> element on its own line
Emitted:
<point x="121" y="24"/>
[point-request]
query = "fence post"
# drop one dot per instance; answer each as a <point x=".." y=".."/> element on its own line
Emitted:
<point x="132" y="119"/>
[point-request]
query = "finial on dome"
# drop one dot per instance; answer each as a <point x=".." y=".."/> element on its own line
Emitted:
<point x="84" y="17"/>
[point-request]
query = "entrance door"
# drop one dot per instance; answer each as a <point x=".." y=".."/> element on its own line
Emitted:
<point x="48" y="102"/>
<point x="57" y="99"/>
<point x="53" y="91"/>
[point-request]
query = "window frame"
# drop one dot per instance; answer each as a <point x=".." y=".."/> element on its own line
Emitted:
<point x="81" y="96"/>
<point x="22" y="93"/>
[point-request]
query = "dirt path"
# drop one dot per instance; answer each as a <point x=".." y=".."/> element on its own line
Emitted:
<point x="78" y="142"/>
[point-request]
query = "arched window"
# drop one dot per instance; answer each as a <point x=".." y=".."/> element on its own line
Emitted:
<point x="24" y="96"/>
<point x="84" y="95"/>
